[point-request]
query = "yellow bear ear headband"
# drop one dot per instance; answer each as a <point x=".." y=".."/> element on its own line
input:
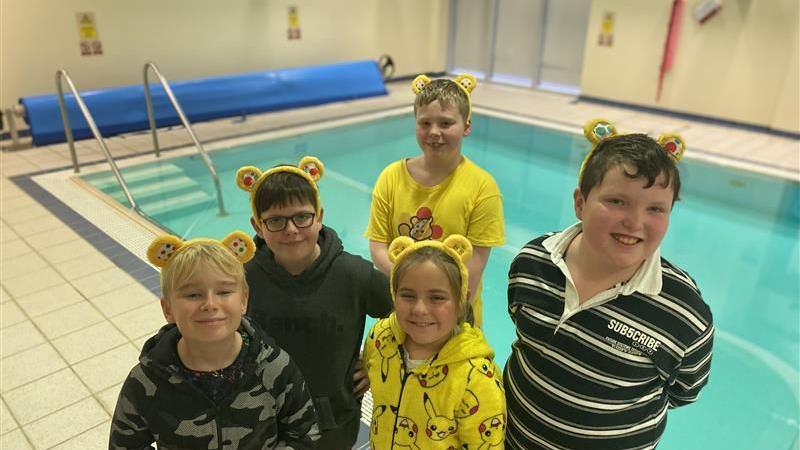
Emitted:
<point x="598" y="130"/>
<point x="465" y="81"/>
<point x="164" y="248"/>
<point x="249" y="178"/>
<point x="455" y="246"/>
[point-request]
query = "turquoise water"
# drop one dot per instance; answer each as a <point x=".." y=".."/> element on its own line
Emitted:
<point x="736" y="233"/>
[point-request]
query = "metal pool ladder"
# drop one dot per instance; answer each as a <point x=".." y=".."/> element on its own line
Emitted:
<point x="186" y="125"/>
<point x="62" y="75"/>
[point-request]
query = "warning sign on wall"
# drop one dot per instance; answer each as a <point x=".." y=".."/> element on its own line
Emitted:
<point x="88" y="38"/>
<point x="606" y="37"/>
<point x="294" y="23"/>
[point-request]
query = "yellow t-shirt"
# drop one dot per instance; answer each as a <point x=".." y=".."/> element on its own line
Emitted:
<point x="468" y="202"/>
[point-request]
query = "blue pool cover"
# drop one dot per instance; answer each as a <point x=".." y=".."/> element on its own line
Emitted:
<point x="123" y="109"/>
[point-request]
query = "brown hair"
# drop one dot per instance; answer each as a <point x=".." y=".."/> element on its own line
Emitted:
<point x="445" y="263"/>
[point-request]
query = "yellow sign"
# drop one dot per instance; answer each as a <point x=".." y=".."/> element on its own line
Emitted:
<point x="88" y="38"/>
<point x="294" y="23"/>
<point x="606" y="37"/>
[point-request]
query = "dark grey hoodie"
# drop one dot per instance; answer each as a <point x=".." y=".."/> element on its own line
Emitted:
<point x="318" y="317"/>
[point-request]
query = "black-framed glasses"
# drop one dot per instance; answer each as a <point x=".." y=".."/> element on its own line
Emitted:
<point x="278" y="223"/>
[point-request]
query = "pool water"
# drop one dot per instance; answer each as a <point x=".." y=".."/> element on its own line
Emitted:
<point x="736" y="233"/>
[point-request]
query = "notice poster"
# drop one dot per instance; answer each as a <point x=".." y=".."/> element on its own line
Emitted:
<point x="89" y="40"/>
<point x="294" y="23"/>
<point x="606" y="38"/>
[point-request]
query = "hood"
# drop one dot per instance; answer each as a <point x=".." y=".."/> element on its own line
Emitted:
<point x="160" y="354"/>
<point x="330" y="247"/>
<point x="467" y="344"/>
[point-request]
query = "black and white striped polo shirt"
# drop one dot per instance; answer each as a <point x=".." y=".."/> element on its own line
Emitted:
<point x="602" y="377"/>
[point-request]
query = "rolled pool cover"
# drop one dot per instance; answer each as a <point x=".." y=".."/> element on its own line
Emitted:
<point x="124" y="109"/>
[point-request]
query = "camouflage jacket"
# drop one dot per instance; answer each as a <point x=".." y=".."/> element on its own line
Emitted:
<point x="270" y="407"/>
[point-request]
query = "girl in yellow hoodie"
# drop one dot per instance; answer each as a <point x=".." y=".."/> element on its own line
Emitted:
<point x="433" y="379"/>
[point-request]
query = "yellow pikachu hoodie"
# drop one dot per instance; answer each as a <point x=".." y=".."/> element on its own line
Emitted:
<point x="454" y="400"/>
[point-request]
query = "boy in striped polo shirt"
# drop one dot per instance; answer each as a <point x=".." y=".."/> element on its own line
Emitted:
<point x="609" y="334"/>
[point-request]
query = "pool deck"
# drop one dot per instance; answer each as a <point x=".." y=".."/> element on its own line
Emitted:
<point x="77" y="303"/>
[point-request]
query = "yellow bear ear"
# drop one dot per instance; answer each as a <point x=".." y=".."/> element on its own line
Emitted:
<point x="241" y="245"/>
<point x="598" y="129"/>
<point x="467" y="81"/>
<point x="460" y="245"/>
<point x="419" y="83"/>
<point x="162" y="249"/>
<point x="247" y="176"/>
<point x="313" y="167"/>
<point x="673" y="144"/>
<point x="398" y="245"/>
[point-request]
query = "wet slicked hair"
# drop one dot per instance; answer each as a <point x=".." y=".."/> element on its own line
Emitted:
<point x="184" y="265"/>
<point x="447" y="92"/>
<point x="636" y="152"/>
<point x="446" y="264"/>
<point x="284" y="189"/>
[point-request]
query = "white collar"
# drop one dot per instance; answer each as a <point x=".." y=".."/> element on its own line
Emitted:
<point x="646" y="280"/>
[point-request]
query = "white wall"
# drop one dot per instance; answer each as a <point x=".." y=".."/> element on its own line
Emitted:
<point x="741" y="65"/>
<point x="199" y="38"/>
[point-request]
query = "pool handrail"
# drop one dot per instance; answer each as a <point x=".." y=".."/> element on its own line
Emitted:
<point x="62" y="75"/>
<point x="186" y="125"/>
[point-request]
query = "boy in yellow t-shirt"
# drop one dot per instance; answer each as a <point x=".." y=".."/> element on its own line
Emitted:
<point x="440" y="192"/>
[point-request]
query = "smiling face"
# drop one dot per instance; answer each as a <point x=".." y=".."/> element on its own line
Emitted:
<point x="207" y="306"/>
<point x="623" y="221"/>
<point x="426" y="308"/>
<point x="294" y="248"/>
<point x="440" y="130"/>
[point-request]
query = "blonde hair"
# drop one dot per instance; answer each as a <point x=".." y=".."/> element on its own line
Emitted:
<point x="448" y="93"/>
<point x="445" y="263"/>
<point x="185" y="263"/>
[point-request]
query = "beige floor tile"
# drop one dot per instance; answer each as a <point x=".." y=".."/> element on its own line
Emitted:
<point x="13" y="249"/>
<point x="7" y="422"/>
<point x="7" y="234"/>
<point x="10" y="314"/>
<point x="68" y="251"/>
<point x="96" y="437"/>
<point x="15" y="216"/>
<point x="102" y="282"/>
<point x="109" y="368"/>
<point x="38" y="225"/>
<point x="108" y="398"/>
<point x="88" y="342"/>
<point x="4" y="297"/>
<point x="33" y="282"/>
<point x="45" y="396"/>
<point x="21" y="265"/>
<point x="84" y="265"/>
<point x="19" y="337"/>
<point x="123" y="299"/>
<point x="68" y="319"/>
<point x="14" y="440"/>
<point x="50" y="299"/>
<point x="139" y="343"/>
<point x="143" y="321"/>
<point x="29" y="365"/>
<point x="67" y="423"/>
<point x="44" y="240"/>
<point x="9" y="190"/>
<point x="19" y="203"/>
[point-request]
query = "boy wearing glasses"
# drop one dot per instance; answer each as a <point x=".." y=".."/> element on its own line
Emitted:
<point x="309" y="294"/>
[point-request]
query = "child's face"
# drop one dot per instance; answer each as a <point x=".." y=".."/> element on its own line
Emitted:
<point x="426" y="306"/>
<point x="207" y="307"/>
<point x="623" y="223"/>
<point x="440" y="130"/>
<point x="294" y="247"/>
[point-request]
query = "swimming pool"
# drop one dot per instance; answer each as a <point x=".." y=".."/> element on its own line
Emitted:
<point x="735" y="232"/>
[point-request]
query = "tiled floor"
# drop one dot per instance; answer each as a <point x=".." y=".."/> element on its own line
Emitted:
<point x="76" y="306"/>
